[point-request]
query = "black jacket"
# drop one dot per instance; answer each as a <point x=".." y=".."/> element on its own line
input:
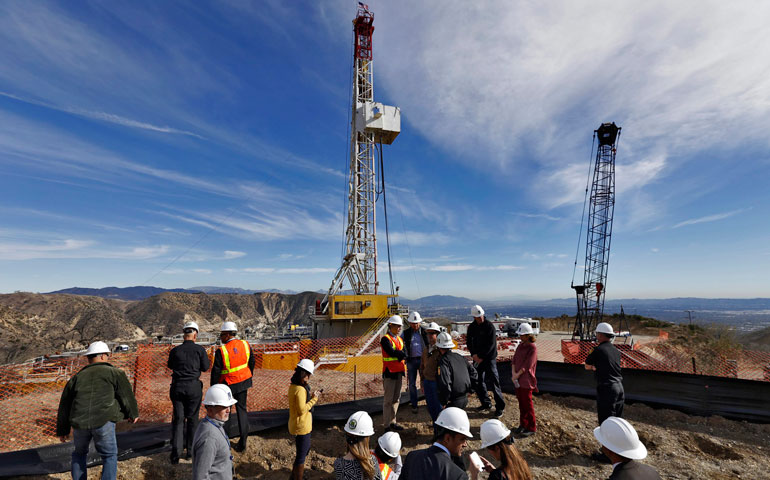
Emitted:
<point x="219" y="364"/>
<point x="187" y="361"/>
<point x="633" y="470"/>
<point x="431" y="463"/>
<point x="482" y="340"/>
<point x="408" y="340"/>
<point x="456" y="377"/>
<point x="606" y="358"/>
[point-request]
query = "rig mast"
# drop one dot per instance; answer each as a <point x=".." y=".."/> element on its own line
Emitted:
<point x="590" y="295"/>
<point x="372" y="124"/>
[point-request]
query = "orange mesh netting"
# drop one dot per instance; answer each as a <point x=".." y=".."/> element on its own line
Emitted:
<point x="346" y="368"/>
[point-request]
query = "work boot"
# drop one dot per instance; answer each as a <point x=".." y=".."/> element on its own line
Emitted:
<point x="498" y="413"/>
<point x="483" y="408"/>
<point x="394" y="427"/>
<point x="526" y="433"/>
<point x="415" y="410"/>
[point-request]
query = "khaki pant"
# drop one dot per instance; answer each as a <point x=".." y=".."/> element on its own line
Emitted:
<point x="390" y="400"/>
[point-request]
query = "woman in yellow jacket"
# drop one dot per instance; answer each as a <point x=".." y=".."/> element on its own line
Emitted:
<point x="300" y="418"/>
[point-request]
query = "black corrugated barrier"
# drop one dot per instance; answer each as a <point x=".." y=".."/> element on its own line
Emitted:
<point x="694" y="394"/>
<point x="150" y="440"/>
<point x="703" y="395"/>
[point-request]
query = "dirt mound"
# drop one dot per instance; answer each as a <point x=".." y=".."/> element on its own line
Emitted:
<point x="679" y="446"/>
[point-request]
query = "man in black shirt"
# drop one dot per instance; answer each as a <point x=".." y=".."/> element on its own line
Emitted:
<point x="604" y="360"/>
<point x="482" y="343"/>
<point x="456" y="376"/>
<point x="186" y="362"/>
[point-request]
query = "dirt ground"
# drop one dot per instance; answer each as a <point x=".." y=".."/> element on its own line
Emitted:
<point x="680" y="446"/>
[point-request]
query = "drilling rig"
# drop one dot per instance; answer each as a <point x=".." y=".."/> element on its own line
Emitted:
<point x="601" y="206"/>
<point x="372" y="125"/>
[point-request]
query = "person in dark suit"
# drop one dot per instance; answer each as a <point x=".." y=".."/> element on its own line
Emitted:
<point x="456" y="375"/>
<point x="442" y="460"/>
<point x="621" y="444"/>
<point x="186" y="362"/>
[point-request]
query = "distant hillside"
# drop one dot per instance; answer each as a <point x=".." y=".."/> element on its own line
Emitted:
<point x="124" y="293"/>
<point x="241" y="290"/>
<point x="439" y="301"/>
<point x="164" y="314"/>
<point x="34" y="324"/>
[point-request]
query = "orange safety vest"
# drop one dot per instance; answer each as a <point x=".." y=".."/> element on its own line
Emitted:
<point x="392" y="364"/>
<point x="235" y="357"/>
<point x="385" y="469"/>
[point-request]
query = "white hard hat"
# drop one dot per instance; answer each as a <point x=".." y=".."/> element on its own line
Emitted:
<point x="220" y="395"/>
<point x="432" y="327"/>
<point x="396" y="320"/>
<point x="492" y="432"/>
<point x="444" y="340"/>
<point x="97" y="348"/>
<point x="605" y="328"/>
<point x="229" y="327"/>
<point x="618" y="436"/>
<point x="390" y="443"/>
<point x="414" y="317"/>
<point x="456" y="420"/>
<point x="306" y="365"/>
<point x="191" y="325"/>
<point x="477" y="311"/>
<point x="360" y="424"/>
<point x="524" y="329"/>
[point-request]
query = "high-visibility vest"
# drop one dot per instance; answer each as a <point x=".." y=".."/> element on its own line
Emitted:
<point x="235" y="359"/>
<point x="393" y="364"/>
<point x="385" y="469"/>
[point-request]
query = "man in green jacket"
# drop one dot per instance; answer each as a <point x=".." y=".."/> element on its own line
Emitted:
<point x="97" y="397"/>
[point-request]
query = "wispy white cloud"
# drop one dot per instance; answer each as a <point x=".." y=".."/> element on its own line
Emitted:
<point x="102" y="116"/>
<point x="419" y="238"/>
<point x="230" y="254"/>
<point x="538" y="215"/>
<point x="466" y="267"/>
<point x="182" y="271"/>
<point x="283" y="271"/>
<point x="709" y="218"/>
<point x="291" y="256"/>
<point x="75" y="248"/>
<point x="540" y="256"/>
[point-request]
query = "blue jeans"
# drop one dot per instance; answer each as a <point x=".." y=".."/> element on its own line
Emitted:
<point x="302" y="443"/>
<point x="105" y="444"/>
<point x="412" y="369"/>
<point x="431" y="398"/>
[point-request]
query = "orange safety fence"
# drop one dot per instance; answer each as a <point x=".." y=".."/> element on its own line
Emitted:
<point x="346" y="368"/>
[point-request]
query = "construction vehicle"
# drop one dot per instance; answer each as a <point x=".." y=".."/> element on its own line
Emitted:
<point x="364" y="310"/>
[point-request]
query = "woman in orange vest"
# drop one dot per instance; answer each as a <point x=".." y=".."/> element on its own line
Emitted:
<point x="300" y="416"/>
<point x="393" y="368"/>
<point x="234" y="366"/>
<point x="388" y="455"/>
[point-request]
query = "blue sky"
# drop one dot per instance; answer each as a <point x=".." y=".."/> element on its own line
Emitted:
<point x="205" y="143"/>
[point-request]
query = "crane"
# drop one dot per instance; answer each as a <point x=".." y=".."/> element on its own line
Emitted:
<point x="590" y="295"/>
<point x="372" y="124"/>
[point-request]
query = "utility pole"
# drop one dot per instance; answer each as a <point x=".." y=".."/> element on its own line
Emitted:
<point x="689" y="315"/>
